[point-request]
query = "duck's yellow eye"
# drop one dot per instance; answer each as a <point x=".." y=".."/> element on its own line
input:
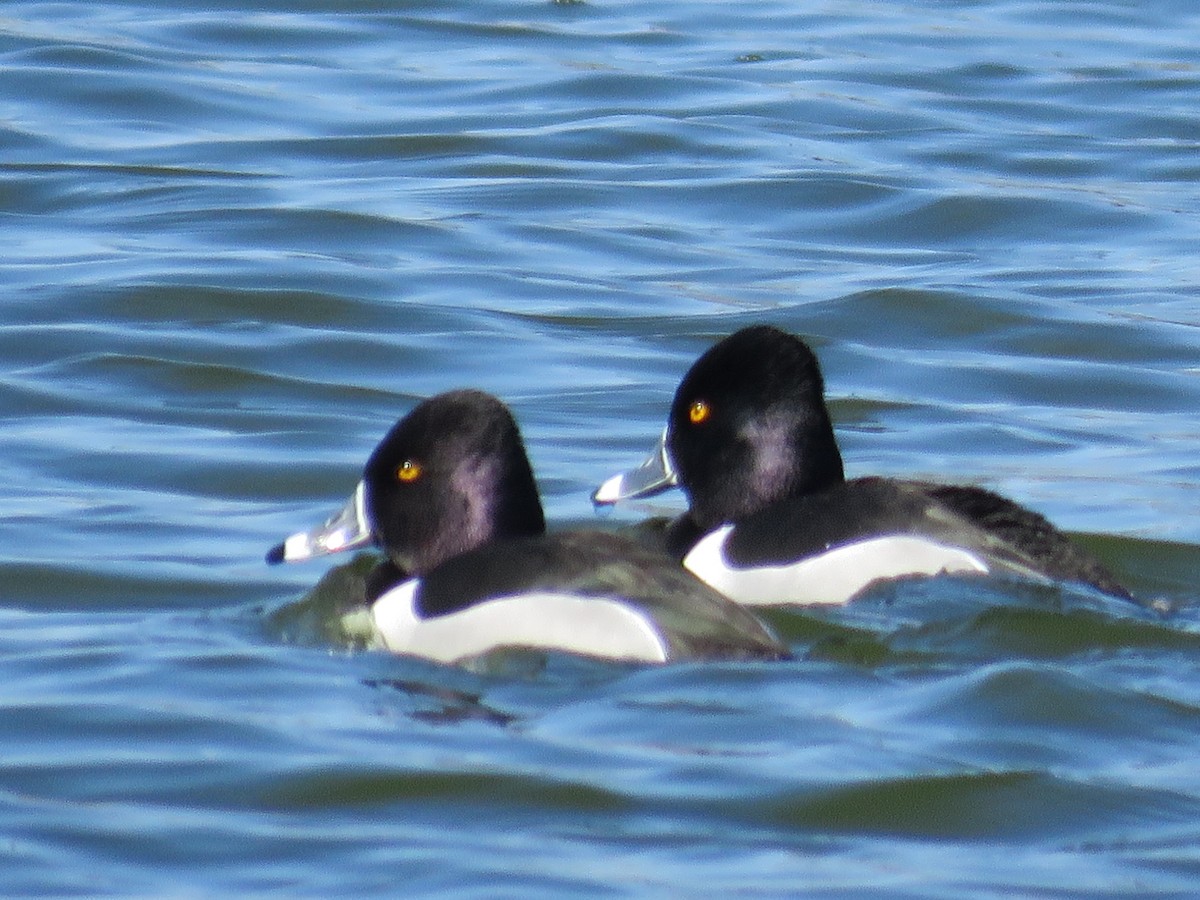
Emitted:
<point x="408" y="471"/>
<point x="699" y="412"/>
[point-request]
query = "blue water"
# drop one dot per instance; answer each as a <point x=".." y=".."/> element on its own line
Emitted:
<point x="241" y="239"/>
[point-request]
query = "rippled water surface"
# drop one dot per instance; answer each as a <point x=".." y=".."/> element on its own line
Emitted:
<point x="241" y="239"/>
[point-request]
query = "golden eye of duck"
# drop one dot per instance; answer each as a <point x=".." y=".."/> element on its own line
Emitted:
<point x="408" y="471"/>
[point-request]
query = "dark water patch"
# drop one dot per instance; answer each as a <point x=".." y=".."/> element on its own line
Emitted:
<point x="458" y="148"/>
<point x="1045" y="634"/>
<point x="125" y="106"/>
<point x="121" y="585"/>
<point x="81" y="56"/>
<point x="928" y="319"/>
<point x="1163" y="568"/>
<point x="925" y="622"/>
<point x="271" y="33"/>
<point x="322" y="789"/>
<point x="359" y="235"/>
<point x="982" y="217"/>
<point x="243" y="239"/>
<point x="820" y="637"/>
<point x="1018" y="807"/>
<point x="37" y="189"/>
<point x="204" y="307"/>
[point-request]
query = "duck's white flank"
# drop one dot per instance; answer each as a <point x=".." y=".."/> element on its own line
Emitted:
<point x="592" y="626"/>
<point x="834" y="576"/>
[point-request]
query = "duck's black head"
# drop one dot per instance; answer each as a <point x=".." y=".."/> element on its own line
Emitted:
<point x="749" y="426"/>
<point x="450" y="476"/>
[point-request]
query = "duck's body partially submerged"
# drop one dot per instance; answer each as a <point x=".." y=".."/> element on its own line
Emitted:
<point x="772" y="519"/>
<point x="450" y="498"/>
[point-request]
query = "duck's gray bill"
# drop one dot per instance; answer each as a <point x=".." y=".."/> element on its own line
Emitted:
<point x="653" y="476"/>
<point x="344" y="531"/>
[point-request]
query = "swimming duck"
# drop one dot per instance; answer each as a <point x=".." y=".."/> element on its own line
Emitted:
<point x="772" y="518"/>
<point x="450" y="498"/>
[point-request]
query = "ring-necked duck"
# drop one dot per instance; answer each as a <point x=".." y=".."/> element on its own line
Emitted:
<point x="772" y="519"/>
<point x="450" y="497"/>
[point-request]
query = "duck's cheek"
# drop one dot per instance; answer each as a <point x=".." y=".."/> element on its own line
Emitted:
<point x="589" y="626"/>
<point x="833" y="576"/>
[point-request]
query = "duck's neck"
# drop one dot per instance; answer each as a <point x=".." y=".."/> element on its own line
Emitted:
<point x="819" y="461"/>
<point x="777" y="461"/>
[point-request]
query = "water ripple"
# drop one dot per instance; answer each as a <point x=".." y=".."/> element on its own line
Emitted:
<point x="241" y="242"/>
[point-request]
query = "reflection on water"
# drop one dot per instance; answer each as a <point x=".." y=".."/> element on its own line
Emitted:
<point x="241" y="242"/>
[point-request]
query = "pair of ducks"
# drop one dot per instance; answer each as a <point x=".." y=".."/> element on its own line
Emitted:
<point x="450" y="498"/>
